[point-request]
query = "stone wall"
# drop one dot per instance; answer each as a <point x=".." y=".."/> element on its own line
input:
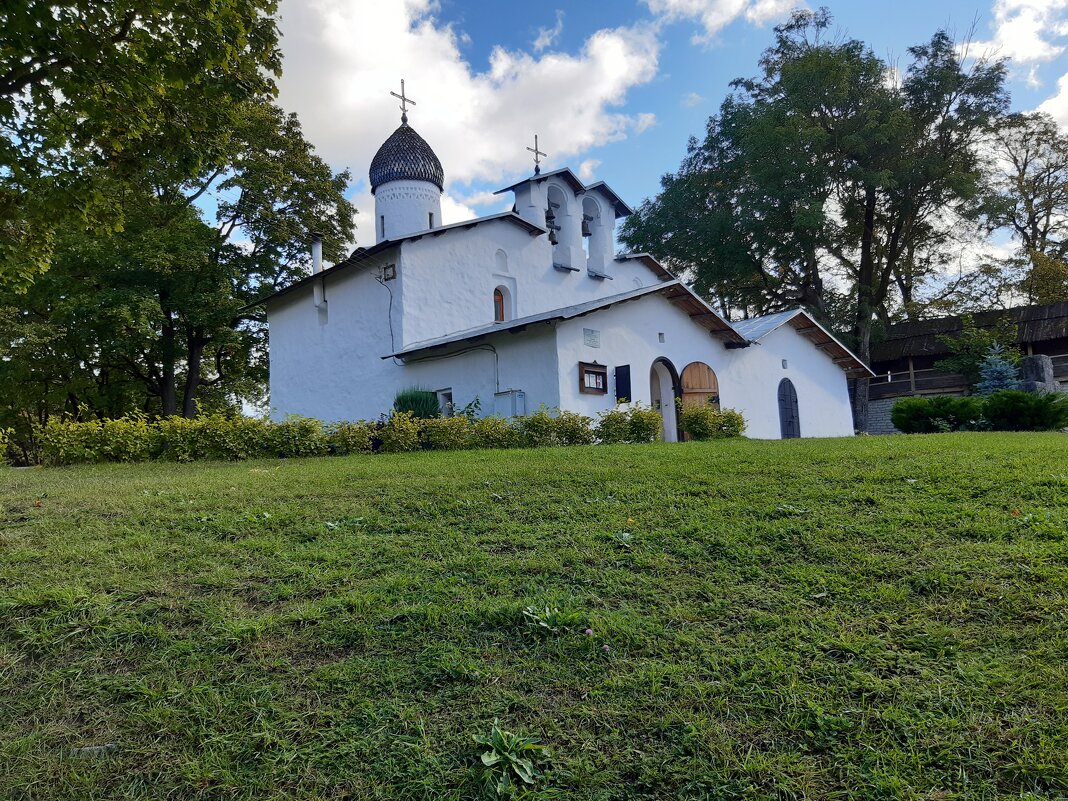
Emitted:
<point x="879" y="416"/>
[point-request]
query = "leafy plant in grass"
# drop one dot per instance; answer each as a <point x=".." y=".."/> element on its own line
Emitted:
<point x="936" y="414"/>
<point x="706" y="422"/>
<point x="1014" y="410"/>
<point x="5" y="440"/>
<point x="550" y="620"/>
<point x="420" y="403"/>
<point x="997" y="372"/>
<point x="512" y="764"/>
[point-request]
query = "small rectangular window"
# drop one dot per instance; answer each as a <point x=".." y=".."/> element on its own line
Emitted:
<point x="593" y="379"/>
<point x="431" y="220"/>
<point x="382" y="227"/>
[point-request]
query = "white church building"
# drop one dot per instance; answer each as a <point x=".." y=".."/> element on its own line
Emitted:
<point x="533" y="307"/>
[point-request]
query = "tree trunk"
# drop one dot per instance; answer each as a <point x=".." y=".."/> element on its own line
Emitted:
<point x="194" y="358"/>
<point x="865" y="307"/>
<point x="168" y="390"/>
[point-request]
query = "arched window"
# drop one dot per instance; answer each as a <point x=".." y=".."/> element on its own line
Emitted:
<point x="500" y="310"/>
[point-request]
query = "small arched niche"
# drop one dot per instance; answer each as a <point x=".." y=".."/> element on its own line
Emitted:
<point x="594" y="235"/>
<point x="500" y="261"/>
<point x="561" y="223"/>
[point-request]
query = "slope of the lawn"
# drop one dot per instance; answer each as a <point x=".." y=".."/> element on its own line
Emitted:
<point x="868" y="618"/>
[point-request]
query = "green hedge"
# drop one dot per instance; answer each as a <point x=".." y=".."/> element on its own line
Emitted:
<point x="1005" y="410"/>
<point x="707" y="422"/>
<point x="134" y="439"/>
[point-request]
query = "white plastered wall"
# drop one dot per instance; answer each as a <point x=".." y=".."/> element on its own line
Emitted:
<point x="748" y="377"/>
<point x="448" y="279"/>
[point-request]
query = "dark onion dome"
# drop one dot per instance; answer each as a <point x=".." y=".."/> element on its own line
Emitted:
<point x="406" y="156"/>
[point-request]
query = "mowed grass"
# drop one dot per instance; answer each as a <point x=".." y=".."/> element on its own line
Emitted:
<point x="868" y="618"/>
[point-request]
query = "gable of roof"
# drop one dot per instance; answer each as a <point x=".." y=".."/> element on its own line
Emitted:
<point x="621" y="208"/>
<point x="360" y="256"/>
<point x="674" y="290"/>
<point x="649" y="261"/>
<point x="757" y="328"/>
<point x="924" y="337"/>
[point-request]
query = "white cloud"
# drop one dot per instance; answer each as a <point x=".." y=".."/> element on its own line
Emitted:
<point x="586" y="168"/>
<point x="1057" y="106"/>
<point x="548" y="36"/>
<point x="715" y="15"/>
<point x="692" y="99"/>
<point x="1027" y="30"/>
<point x="342" y="57"/>
<point x="644" y="122"/>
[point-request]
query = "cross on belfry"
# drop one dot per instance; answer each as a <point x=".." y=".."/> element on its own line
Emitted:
<point x="537" y="155"/>
<point x="405" y="100"/>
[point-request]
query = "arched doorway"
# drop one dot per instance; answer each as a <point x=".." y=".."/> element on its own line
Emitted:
<point x="664" y="389"/>
<point x="700" y="387"/>
<point x="789" y="419"/>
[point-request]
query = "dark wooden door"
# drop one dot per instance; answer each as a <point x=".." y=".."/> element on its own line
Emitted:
<point x="789" y="420"/>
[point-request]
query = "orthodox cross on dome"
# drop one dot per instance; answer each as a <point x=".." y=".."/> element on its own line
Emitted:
<point x="405" y="100"/>
<point x="537" y="155"/>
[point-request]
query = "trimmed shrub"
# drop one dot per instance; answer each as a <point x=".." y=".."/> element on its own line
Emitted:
<point x="574" y="429"/>
<point x="635" y="423"/>
<point x="645" y="423"/>
<point x="420" y="403"/>
<point x="537" y="430"/>
<point x="494" y="432"/>
<point x="447" y="433"/>
<point x="938" y="413"/>
<point x="70" y="442"/>
<point x="706" y="422"/>
<point x="5" y="440"/>
<point x="400" y="433"/>
<point x="215" y="437"/>
<point x="346" y="438"/>
<point x="1014" y="410"/>
<point x="297" y="436"/>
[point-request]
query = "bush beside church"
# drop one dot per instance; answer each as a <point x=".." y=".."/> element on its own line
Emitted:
<point x="218" y="437"/>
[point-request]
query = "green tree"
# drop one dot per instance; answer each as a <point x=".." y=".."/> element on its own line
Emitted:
<point x="152" y="318"/>
<point x="825" y="167"/>
<point x="95" y="89"/>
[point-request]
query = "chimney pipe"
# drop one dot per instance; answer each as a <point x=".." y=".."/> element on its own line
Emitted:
<point x="317" y="253"/>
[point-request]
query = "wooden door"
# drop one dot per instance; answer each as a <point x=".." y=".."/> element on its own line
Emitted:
<point x="700" y="387"/>
<point x="789" y="419"/>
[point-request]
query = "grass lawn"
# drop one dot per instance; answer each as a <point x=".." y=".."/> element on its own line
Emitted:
<point x="869" y="618"/>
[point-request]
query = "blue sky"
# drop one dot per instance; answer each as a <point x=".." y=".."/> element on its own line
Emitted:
<point x="614" y="88"/>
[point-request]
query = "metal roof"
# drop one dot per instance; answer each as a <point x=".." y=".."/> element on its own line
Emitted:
<point x="756" y="328"/>
<point x="406" y="156"/>
<point x="674" y="290"/>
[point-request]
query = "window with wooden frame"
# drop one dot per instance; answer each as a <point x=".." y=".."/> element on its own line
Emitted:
<point x="498" y="306"/>
<point x="593" y="378"/>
